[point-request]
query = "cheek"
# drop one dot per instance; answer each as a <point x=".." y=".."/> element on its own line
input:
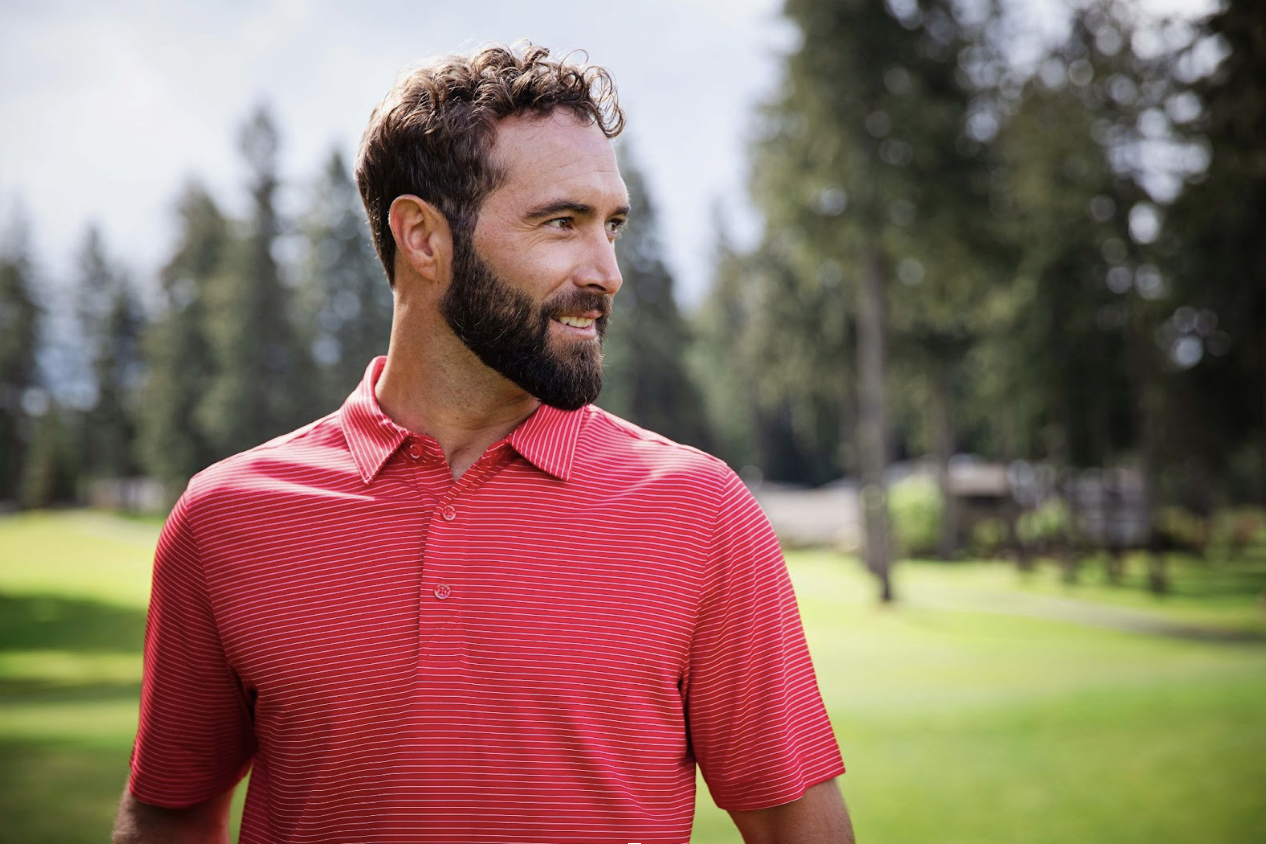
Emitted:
<point x="539" y="272"/>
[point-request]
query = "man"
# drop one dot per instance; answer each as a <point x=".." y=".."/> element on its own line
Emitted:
<point x="469" y="606"/>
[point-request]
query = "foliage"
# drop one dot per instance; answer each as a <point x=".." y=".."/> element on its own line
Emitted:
<point x="344" y="300"/>
<point x="54" y="462"/>
<point x="1182" y="529"/>
<point x="917" y="511"/>
<point x="19" y="324"/>
<point x="111" y="324"/>
<point x="1213" y="336"/>
<point x="988" y="537"/>
<point x="1054" y="259"/>
<point x="1237" y="529"/>
<point x="255" y="392"/>
<point x="174" y="445"/>
<point x="1049" y="524"/>
<point x="647" y="341"/>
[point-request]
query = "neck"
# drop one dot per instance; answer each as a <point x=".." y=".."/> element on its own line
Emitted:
<point x="432" y="384"/>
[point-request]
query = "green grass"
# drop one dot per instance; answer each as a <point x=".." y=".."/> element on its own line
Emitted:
<point x="985" y="707"/>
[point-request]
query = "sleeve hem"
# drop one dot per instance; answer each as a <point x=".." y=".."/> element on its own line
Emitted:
<point x="775" y="800"/>
<point x="184" y="800"/>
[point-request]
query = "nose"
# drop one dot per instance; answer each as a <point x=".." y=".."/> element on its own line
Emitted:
<point x="601" y="271"/>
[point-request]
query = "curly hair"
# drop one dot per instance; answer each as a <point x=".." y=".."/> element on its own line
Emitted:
<point x="433" y="133"/>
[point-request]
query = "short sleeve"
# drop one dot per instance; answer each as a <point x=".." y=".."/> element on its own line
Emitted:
<point x="758" y="728"/>
<point x="195" y="739"/>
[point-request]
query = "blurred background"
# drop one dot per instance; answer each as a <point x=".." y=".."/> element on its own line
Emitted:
<point x="978" y="286"/>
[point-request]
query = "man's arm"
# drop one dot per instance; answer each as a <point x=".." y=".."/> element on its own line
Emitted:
<point x="204" y="823"/>
<point x="819" y="817"/>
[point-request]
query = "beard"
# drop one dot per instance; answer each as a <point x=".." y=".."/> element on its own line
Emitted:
<point x="509" y="332"/>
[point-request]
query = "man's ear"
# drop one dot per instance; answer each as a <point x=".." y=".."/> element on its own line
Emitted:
<point x="424" y="240"/>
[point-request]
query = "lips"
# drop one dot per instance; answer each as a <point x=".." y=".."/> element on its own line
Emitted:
<point x="581" y="311"/>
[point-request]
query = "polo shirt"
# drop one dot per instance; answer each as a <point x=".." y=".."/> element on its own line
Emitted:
<point x="539" y="651"/>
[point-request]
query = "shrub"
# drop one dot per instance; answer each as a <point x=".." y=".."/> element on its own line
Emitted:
<point x="988" y="537"/>
<point x="917" y="510"/>
<point x="1049" y="524"/>
<point x="1182" y="529"/>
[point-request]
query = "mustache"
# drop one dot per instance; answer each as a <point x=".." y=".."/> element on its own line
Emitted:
<point x="579" y="301"/>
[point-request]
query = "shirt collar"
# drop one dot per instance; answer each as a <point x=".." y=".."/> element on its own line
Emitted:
<point x="546" y="439"/>
<point x="371" y="436"/>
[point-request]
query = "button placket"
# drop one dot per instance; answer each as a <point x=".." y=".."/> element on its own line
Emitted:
<point x="441" y="631"/>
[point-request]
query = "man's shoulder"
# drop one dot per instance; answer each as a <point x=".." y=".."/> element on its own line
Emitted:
<point x="615" y="443"/>
<point x="314" y="449"/>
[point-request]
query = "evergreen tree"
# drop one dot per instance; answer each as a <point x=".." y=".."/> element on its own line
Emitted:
<point x="866" y="178"/>
<point x="1080" y="353"/>
<point x="1217" y="335"/>
<point x="111" y="322"/>
<point x="262" y="379"/>
<point x="723" y="360"/>
<point x="54" y="460"/>
<point x="174" y="445"/>
<point x="646" y="379"/>
<point x="19" y="325"/>
<point x="346" y="300"/>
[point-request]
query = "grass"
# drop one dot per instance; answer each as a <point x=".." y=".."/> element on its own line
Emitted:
<point x="984" y="707"/>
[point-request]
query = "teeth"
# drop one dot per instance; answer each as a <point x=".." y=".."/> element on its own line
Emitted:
<point x="575" y="322"/>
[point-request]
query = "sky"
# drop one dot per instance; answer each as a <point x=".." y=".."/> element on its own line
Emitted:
<point x="107" y="109"/>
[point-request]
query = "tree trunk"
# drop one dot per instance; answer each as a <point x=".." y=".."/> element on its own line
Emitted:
<point x="943" y="451"/>
<point x="1147" y="419"/>
<point x="872" y="427"/>
<point x="1261" y="362"/>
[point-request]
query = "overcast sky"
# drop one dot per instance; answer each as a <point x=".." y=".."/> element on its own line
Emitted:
<point x="107" y="108"/>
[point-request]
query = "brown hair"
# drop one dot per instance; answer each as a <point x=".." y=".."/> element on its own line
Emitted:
<point x="432" y="134"/>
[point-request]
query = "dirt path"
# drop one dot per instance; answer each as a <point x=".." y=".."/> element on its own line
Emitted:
<point x="1074" y="611"/>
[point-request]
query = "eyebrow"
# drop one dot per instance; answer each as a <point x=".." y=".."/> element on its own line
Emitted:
<point x="561" y="205"/>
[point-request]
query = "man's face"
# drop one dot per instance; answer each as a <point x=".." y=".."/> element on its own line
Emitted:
<point x="531" y="289"/>
<point x="510" y="332"/>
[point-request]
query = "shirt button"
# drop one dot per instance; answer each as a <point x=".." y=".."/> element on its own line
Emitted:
<point x="442" y="591"/>
<point x="415" y="451"/>
<point x="449" y="513"/>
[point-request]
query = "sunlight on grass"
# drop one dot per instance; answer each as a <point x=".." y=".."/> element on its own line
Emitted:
<point x="68" y="667"/>
<point x="96" y="723"/>
<point x="77" y="555"/>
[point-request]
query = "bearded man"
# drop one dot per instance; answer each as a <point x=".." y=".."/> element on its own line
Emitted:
<point x="469" y="606"/>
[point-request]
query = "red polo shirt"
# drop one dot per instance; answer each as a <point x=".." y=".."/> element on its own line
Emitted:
<point x="539" y="651"/>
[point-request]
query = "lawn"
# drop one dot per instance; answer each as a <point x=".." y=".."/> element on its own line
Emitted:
<point x="985" y="707"/>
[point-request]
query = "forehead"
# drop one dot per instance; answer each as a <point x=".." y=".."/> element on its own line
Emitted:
<point x="559" y="154"/>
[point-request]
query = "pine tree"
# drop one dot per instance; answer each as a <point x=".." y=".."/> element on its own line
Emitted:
<point x="262" y="378"/>
<point x="19" y="323"/>
<point x="346" y="300"/>
<point x="646" y="379"/>
<point x="174" y="445"/>
<point x="112" y="322"/>
<point x="1219" y="261"/>
<point x="863" y="172"/>
<point x="723" y="360"/>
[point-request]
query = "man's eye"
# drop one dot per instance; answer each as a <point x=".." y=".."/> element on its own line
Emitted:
<point x="560" y="223"/>
<point x="615" y="226"/>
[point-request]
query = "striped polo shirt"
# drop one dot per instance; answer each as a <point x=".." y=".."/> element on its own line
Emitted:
<point x="539" y="651"/>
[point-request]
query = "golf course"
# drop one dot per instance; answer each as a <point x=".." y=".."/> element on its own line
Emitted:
<point x="984" y="707"/>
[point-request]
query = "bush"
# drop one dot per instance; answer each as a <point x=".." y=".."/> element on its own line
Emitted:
<point x="988" y="537"/>
<point x="1237" y="529"/>
<point x="916" y="508"/>
<point x="1050" y="524"/>
<point x="1182" y="529"/>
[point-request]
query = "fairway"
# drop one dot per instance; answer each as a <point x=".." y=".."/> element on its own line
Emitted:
<point x="981" y="709"/>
